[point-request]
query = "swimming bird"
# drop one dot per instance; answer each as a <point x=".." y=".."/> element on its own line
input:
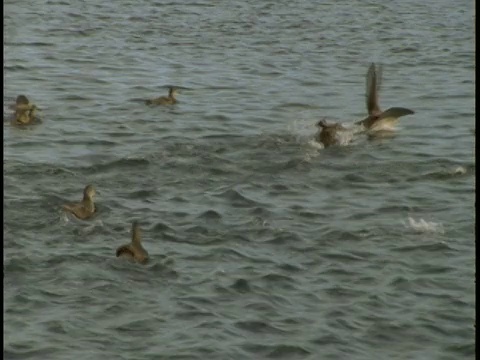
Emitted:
<point x="328" y="133"/>
<point x="165" y="100"/>
<point x="85" y="208"/>
<point x="20" y="102"/>
<point x="24" y="111"/>
<point x="134" y="250"/>
<point x="378" y="119"/>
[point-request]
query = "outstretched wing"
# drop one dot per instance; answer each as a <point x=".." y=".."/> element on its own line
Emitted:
<point x="395" y="113"/>
<point x="373" y="83"/>
<point x="389" y="115"/>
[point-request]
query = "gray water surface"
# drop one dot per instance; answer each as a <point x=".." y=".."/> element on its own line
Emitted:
<point x="263" y="245"/>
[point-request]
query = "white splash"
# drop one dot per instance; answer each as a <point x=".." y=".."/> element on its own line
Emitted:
<point x="459" y="170"/>
<point x="64" y="217"/>
<point x="305" y="129"/>
<point x="315" y="144"/>
<point x="425" y="226"/>
<point x="301" y="127"/>
<point x="91" y="227"/>
<point x="345" y="137"/>
<point x="355" y="128"/>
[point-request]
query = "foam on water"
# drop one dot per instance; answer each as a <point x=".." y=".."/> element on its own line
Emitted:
<point x="459" y="170"/>
<point x="424" y="226"/>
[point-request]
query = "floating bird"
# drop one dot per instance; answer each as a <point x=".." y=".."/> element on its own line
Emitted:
<point x="24" y="111"/>
<point x="164" y="100"/>
<point x="134" y="251"/>
<point x="328" y="133"/>
<point x="378" y="119"/>
<point x="86" y="208"/>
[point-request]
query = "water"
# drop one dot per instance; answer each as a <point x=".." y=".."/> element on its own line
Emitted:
<point x="263" y="245"/>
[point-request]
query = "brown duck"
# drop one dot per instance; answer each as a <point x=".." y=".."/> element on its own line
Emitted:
<point x="378" y="119"/>
<point x="164" y="100"/>
<point x="24" y="111"/>
<point x="85" y="208"/>
<point x="327" y="135"/>
<point x="134" y="251"/>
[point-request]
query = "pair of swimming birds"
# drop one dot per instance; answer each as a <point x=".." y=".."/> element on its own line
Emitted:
<point x="25" y="113"/>
<point x="86" y="208"/>
<point x="376" y="120"/>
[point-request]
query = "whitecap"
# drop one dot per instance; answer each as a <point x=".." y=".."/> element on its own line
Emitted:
<point x="424" y="226"/>
<point x="459" y="170"/>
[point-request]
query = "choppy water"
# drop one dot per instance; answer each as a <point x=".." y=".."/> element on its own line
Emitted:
<point x="262" y="245"/>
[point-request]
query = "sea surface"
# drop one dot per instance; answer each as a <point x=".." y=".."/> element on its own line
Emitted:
<point x="262" y="244"/>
